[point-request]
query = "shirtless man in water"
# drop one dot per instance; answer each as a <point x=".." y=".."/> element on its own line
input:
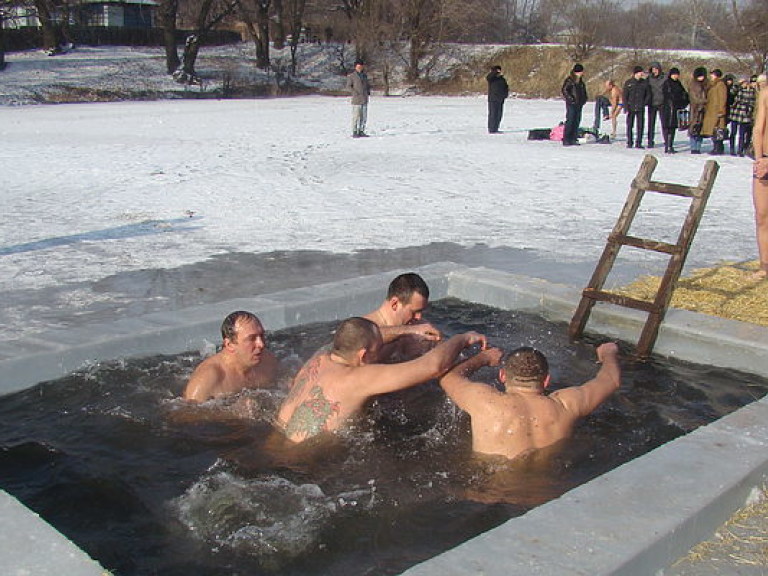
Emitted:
<point x="523" y="418"/>
<point x="399" y="319"/>
<point x="243" y="362"/>
<point x="333" y="386"/>
<point x="760" y="181"/>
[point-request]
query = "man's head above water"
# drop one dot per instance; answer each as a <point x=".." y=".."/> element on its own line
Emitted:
<point x="229" y="327"/>
<point x="408" y="296"/>
<point x="399" y="318"/>
<point x="525" y="367"/>
<point x="243" y="361"/>
<point x="357" y="341"/>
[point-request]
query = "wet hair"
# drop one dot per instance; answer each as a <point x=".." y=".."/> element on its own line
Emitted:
<point x="353" y="334"/>
<point x="526" y="366"/>
<point x="228" y="327"/>
<point x="405" y="285"/>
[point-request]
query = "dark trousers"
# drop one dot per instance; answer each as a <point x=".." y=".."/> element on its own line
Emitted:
<point x="733" y="131"/>
<point x="635" y="118"/>
<point x="745" y="137"/>
<point x="653" y="112"/>
<point x="669" y="139"/>
<point x="602" y="110"/>
<point x="495" y="112"/>
<point x="572" y="122"/>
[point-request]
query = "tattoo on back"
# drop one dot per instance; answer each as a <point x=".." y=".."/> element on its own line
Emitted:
<point x="311" y="416"/>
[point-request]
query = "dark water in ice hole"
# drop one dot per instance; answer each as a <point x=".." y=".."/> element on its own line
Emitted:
<point x="147" y="485"/>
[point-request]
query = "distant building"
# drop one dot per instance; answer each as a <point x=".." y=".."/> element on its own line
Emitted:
<point x="92" y="13"/>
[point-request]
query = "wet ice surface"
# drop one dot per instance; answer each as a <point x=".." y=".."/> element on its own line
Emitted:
<point x="147" y="484"/>
<point x="142" y="206"/>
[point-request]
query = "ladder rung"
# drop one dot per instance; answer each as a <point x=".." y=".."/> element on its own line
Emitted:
<point x="654" y="245"/>
<point x="619" y="300"/>
<point x="674" y="189"/>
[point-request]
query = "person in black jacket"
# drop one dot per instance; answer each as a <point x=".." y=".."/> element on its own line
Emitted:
<point x="675" y="99"/>
<point x="575" y="95"/>
<point x="498" y="90"/>
<point x="636" y="98"/>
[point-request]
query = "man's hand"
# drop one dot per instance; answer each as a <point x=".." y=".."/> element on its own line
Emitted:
<point x="760" y="168"/>
<point x="472" y="338"/>
<point x="607" y="350"/>
<point x="426" y="331"/>
<point x="492" y="356"/>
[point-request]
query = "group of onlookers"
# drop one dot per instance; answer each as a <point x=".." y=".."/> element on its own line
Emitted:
<point x="714" y="106"/>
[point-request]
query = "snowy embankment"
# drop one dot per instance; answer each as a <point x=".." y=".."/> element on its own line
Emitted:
<point x="93" y="190"/>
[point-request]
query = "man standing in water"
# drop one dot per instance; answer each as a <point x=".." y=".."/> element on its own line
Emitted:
<point x="333" y="386"/>
<point x="523" y="418"/>
<point x="399" y="318"/>
<point x="357" y="84"/>
<point x="243" y="361"/>
<point x="760" y="181"/>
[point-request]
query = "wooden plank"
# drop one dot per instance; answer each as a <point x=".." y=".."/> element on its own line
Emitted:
<point x="620" y="300"/>
<point x="654" y="245"/>
<point x="673" y="189"/>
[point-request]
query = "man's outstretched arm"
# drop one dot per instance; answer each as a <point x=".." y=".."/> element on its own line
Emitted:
<point x="383" y="378"/>
<point x="583" y="400"/>
<point x="456" y="382"/>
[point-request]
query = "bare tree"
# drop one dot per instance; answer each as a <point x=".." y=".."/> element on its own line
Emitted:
<point x="167" y="12"/>
<point x="207" y="14"/>
<point x="745" y="33"/>
<point x="257" y="14"/>
<point x="278" y="30"/>
<point x="3" y="17"/>
<point x="584" y="23"/>
<point x="523" y="20"/>
<point x="45" y="14"/>
<point x="294" y="12"/>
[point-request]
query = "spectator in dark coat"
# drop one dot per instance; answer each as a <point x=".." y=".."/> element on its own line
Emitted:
<point x="697" y="93"/>
<point x="637" y="95"/>
<point x="498" y="90"/>
<point x="575" y="95"/>
<point x="675" y="99"/>
<point x="656" y="79"/>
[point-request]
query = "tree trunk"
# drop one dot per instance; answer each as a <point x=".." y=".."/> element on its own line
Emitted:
<point x="50" y="36"/>
<point x="192" y="45"/>
<point x="295" y="18"/>
<point x="167" y="16"/>
<point x="278" y="36"/>
<point x="191" y="49"/>
<point x="262" y="35"/>
<point x="2" y="45"/>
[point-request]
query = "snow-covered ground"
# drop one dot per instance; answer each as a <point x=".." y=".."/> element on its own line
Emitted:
<point x="90" y="191"/>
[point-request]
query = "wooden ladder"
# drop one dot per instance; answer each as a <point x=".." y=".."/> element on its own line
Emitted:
<point x="619" y="237"/>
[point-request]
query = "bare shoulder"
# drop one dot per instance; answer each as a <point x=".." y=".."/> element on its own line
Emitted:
<point x="202" y="384"/>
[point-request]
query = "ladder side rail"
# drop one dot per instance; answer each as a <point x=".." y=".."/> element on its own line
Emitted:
<point x="677" y="261"/>
<point x="611" y="250"/>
